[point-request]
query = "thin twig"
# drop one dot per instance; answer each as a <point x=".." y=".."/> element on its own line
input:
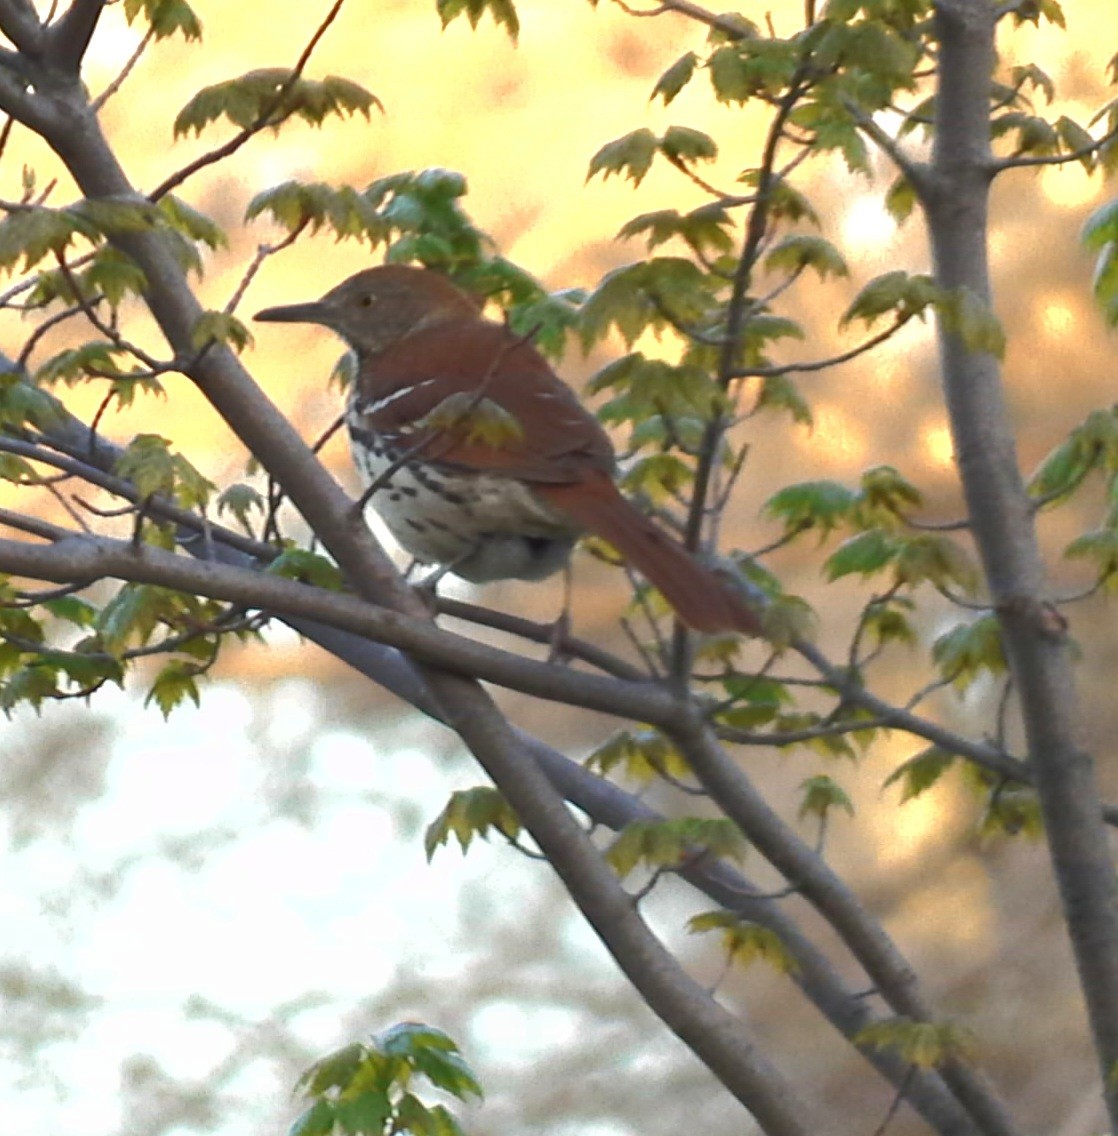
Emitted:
<point x="1000" y="165"/>
<point x="825" y="364"/>
<point x="262" y="120"/>
<point x="115" y="85"/>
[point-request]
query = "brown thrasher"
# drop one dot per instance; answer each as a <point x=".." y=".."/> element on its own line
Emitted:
<point x="480" y="459"/>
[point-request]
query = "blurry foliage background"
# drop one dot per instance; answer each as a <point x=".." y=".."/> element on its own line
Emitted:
<point x="193" y="910"/>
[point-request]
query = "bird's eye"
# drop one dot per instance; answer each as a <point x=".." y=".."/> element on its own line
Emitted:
<point x="367" y="300"/>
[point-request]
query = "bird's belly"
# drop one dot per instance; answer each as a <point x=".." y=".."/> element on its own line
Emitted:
<point x="481" y="526"/>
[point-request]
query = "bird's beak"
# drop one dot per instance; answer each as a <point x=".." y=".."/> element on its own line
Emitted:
<point x="313" y="312"/>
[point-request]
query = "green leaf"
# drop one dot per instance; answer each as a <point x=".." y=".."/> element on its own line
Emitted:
<point x="779" y="392"/>
<point x="756" y="699"/>
<point x="687" y="145"/>
<point x="1104" y="284"/>
<point x="308" y="568"/>
<point x="865" y="554"/>
<point x="819" y="505"/>
<point x="165" y="17"/>
<point x="659" y="477"/>
<point x="641" y="387"/>
<point x="730" y="75"/>
<point x="745" y="942"/>
<point x="31" y="685"/>
<point x="1012" y="810"/>
<point x="787" y="620"/>
<point x="630" y="155"/>
<point x="270" y="95"/>
<point x="148" y="463"/>
<point x="72" y="609"/>
<point x="1101" y="548"/>
<point x="447" y="1070"/>
<point x="115" y="275"/>
<point x="220" y="327"/>
<point x="643" y="756"/>
<point x="1076" y="139"/>
<point x="886" y="497"/>
<point x="334" y="1071"/>
<point x="406" y="1039"/>
<point x="174" y="683"/>
<point x="671" y="843"/>
<point x="114" y="216"/>
<point x="887" y="622"/>
<point x="926" y="1045"/>
<point x="969" y="650"/>
<point x="21" y="402"/>
<point x="821" y="794"/>
<point x="1031" y="12"/>
<point x="800" y="251"/>
<point x="786" y="203"/>
<point x="833" y="128"/>
<point x="1101" y="228"/>
<point x="97" y="357"/>
<point x="640" y="297"/>
<point x="34" y="232"/>
<point x="191" y="223"/>
<point x="365" y="1112"/>
<point x="900" y="199"/>
<point x="240" y="500"/>
<point x="897" y="292"/>
<point x="920" y="773"/>
<point x="133" y="614"/>
<point x="751" y="65"/>
<point x="152" y="468"/>
<point x="470" y="813"/>
<point x="315" y="205"/>
<point x="677" y="76"/>
<point x="502" y="11"/>
<point x="16" y="469"/>
<point x="935" y="558"/>
<point x="1030" y="75"/>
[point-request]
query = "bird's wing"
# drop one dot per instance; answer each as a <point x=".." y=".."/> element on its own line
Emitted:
<point x="471" y="394"/>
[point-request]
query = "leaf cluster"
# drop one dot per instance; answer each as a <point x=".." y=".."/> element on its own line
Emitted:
<point x="1091" y="448"/>
<point x="925" y="1045"/>
<point x="471" y="813"/>
<point x="743" y="941"/>
<point x="418" y="217"/>
<point x="877" y="512"/>
<point x="670" y="844"/>
<point x="368" y="1088"/>
<point x="269" y="96"/>
<point x="138" y="620"/>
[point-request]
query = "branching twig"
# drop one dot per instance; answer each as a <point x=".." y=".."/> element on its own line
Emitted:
<point x="825" y="364"/>
<point x="262" y="120"/>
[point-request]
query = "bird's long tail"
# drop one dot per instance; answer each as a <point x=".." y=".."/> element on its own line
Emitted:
<point x="702" y="600"/>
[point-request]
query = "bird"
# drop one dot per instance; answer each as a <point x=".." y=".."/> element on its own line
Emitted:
<point x="478" y="458"/>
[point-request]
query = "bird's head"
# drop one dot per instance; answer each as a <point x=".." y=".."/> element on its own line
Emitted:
<point x="379" y="306"/>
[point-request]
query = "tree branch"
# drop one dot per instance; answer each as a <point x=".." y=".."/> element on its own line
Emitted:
<point x="1002" y="522"/>
<point x="68" y="37"/>
<point x="806" y="871"/>
<point x="20" y="23"/>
